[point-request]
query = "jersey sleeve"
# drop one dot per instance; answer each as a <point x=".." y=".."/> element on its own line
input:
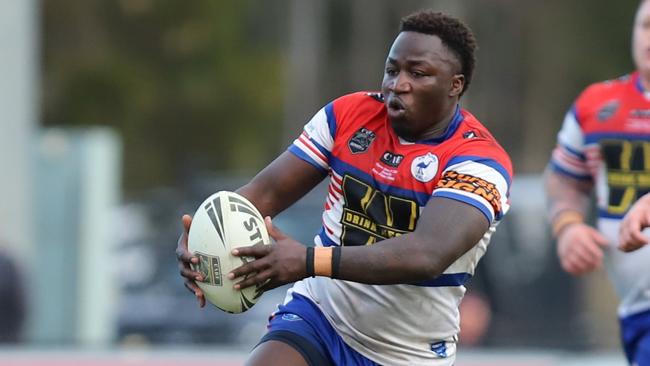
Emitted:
<point x="568" y="157"/>
<point x="478" y="179"/>
<point x="315" y="143"/>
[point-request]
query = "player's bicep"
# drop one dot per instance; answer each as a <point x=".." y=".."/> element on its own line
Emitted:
<point x="557" y="183"/>
<point x="283" y="182"/>
<point x="470" y="197"/>
<point x="565" y="192"/>
<point x="452" y="226"/>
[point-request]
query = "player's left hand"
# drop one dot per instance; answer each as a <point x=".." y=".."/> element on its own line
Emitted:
<point x="630" y="235"/>
<point x="276" y="264"/>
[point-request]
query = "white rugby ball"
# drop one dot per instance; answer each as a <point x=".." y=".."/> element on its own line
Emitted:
<point x="225" y="221"/>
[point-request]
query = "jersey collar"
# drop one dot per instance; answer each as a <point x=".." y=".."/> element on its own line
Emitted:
<point x="637" y="83"/>
<point x="451" y="128"/>
<point x="636" y="78"/>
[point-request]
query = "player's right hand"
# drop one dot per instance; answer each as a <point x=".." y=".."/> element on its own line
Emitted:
<point x="579" y="247"/>
<point x="185" y="258"/>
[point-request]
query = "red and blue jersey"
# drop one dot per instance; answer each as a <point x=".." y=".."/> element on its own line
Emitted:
<point x="605" y="138"/>
<point x="379" y="184"/>
<point x="378" y="177"/>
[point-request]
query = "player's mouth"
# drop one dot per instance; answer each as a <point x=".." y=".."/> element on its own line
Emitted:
<point x="395" y="107"/>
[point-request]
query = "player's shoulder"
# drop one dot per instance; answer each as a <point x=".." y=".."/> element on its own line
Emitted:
<point x="474" y="139"/>
<point x="361" y="98"/>
<point x="603" y="98"/>
<point x="607" y="89"/>
<point x="473" y="131"/>
<point x="352" y="109"/>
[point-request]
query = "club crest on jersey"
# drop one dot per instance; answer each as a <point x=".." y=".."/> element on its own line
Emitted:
<point x="607" y="111"/>
<point x="391" y="159"/>
<point x="424" y="167"/>
<point x="440" y="349"/>
<point x="361" y="140"/>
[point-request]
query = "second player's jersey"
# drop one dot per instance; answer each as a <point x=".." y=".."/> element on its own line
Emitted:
<point x="605" y="139"/>
<point x="378" y="186"/>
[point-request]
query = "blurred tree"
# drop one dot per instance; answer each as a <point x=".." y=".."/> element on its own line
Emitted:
<point x="169" y="73"/>
<point x="304" y="63"/>
<point x="177" y="79"/>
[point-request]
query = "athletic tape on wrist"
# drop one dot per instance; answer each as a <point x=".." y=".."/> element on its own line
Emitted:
<point x="564" y="219"/>
<point x="309" y="262"/>
<point x="336" y="261"/>
<point x="323" y="261"/>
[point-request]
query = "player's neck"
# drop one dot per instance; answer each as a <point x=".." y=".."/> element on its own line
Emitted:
<point x="440" y="127"/>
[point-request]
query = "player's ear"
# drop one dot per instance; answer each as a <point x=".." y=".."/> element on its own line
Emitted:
<point x="457" y="84"/>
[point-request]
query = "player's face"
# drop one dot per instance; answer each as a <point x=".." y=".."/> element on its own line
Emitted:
<point x="421" y="86"/>
<point x="641" y="39"/>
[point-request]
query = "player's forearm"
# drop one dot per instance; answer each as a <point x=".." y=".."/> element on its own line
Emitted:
<point x="398" y="260"/>
<point x="567" y="200"/>
<point x="564" y="193"/>
<point x="447" y="229"/>
<point x="412" y="257"/>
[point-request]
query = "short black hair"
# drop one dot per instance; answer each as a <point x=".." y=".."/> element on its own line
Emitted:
<point x="452" y="32"/>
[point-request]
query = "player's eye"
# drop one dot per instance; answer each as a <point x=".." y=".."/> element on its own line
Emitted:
<point x="418" y="74"/>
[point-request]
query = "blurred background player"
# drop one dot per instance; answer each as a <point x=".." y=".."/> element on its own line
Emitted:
<point x="417" y="187"/>
<point x="475" y="315"/>
<point x="604" y="145"/>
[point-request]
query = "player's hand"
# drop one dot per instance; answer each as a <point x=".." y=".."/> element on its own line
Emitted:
<point x="185" y="258"/>
<point x="275" y="265"/>
<point x="579" y="247"/>
<point x="630" y="235"/>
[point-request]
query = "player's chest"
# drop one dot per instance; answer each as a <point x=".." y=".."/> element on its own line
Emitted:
<point x="382" y="158"/>
<point x="616" y="116"/>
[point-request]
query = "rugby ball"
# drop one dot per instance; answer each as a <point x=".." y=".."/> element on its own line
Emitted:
<point x="225" y="221"/>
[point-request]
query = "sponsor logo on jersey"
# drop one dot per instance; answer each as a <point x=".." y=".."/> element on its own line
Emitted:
<point x="439" y="348"/>
<point x="369" y="215"/>
<point x="607" y="111"/>
<point x="391" y="159"/>
<point x="469" y="135"/>
<point x="424" y="167"/>
<point x="376" y="96"/>
<point x="472" y="184"/>
<point x="361" y="140"/>
<point x="628" y="175"/>
<point x="640" y="113"/>
<point x="384" y="172"/>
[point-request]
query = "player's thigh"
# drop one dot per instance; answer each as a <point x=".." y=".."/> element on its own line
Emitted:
<point x="275" y="353"/>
